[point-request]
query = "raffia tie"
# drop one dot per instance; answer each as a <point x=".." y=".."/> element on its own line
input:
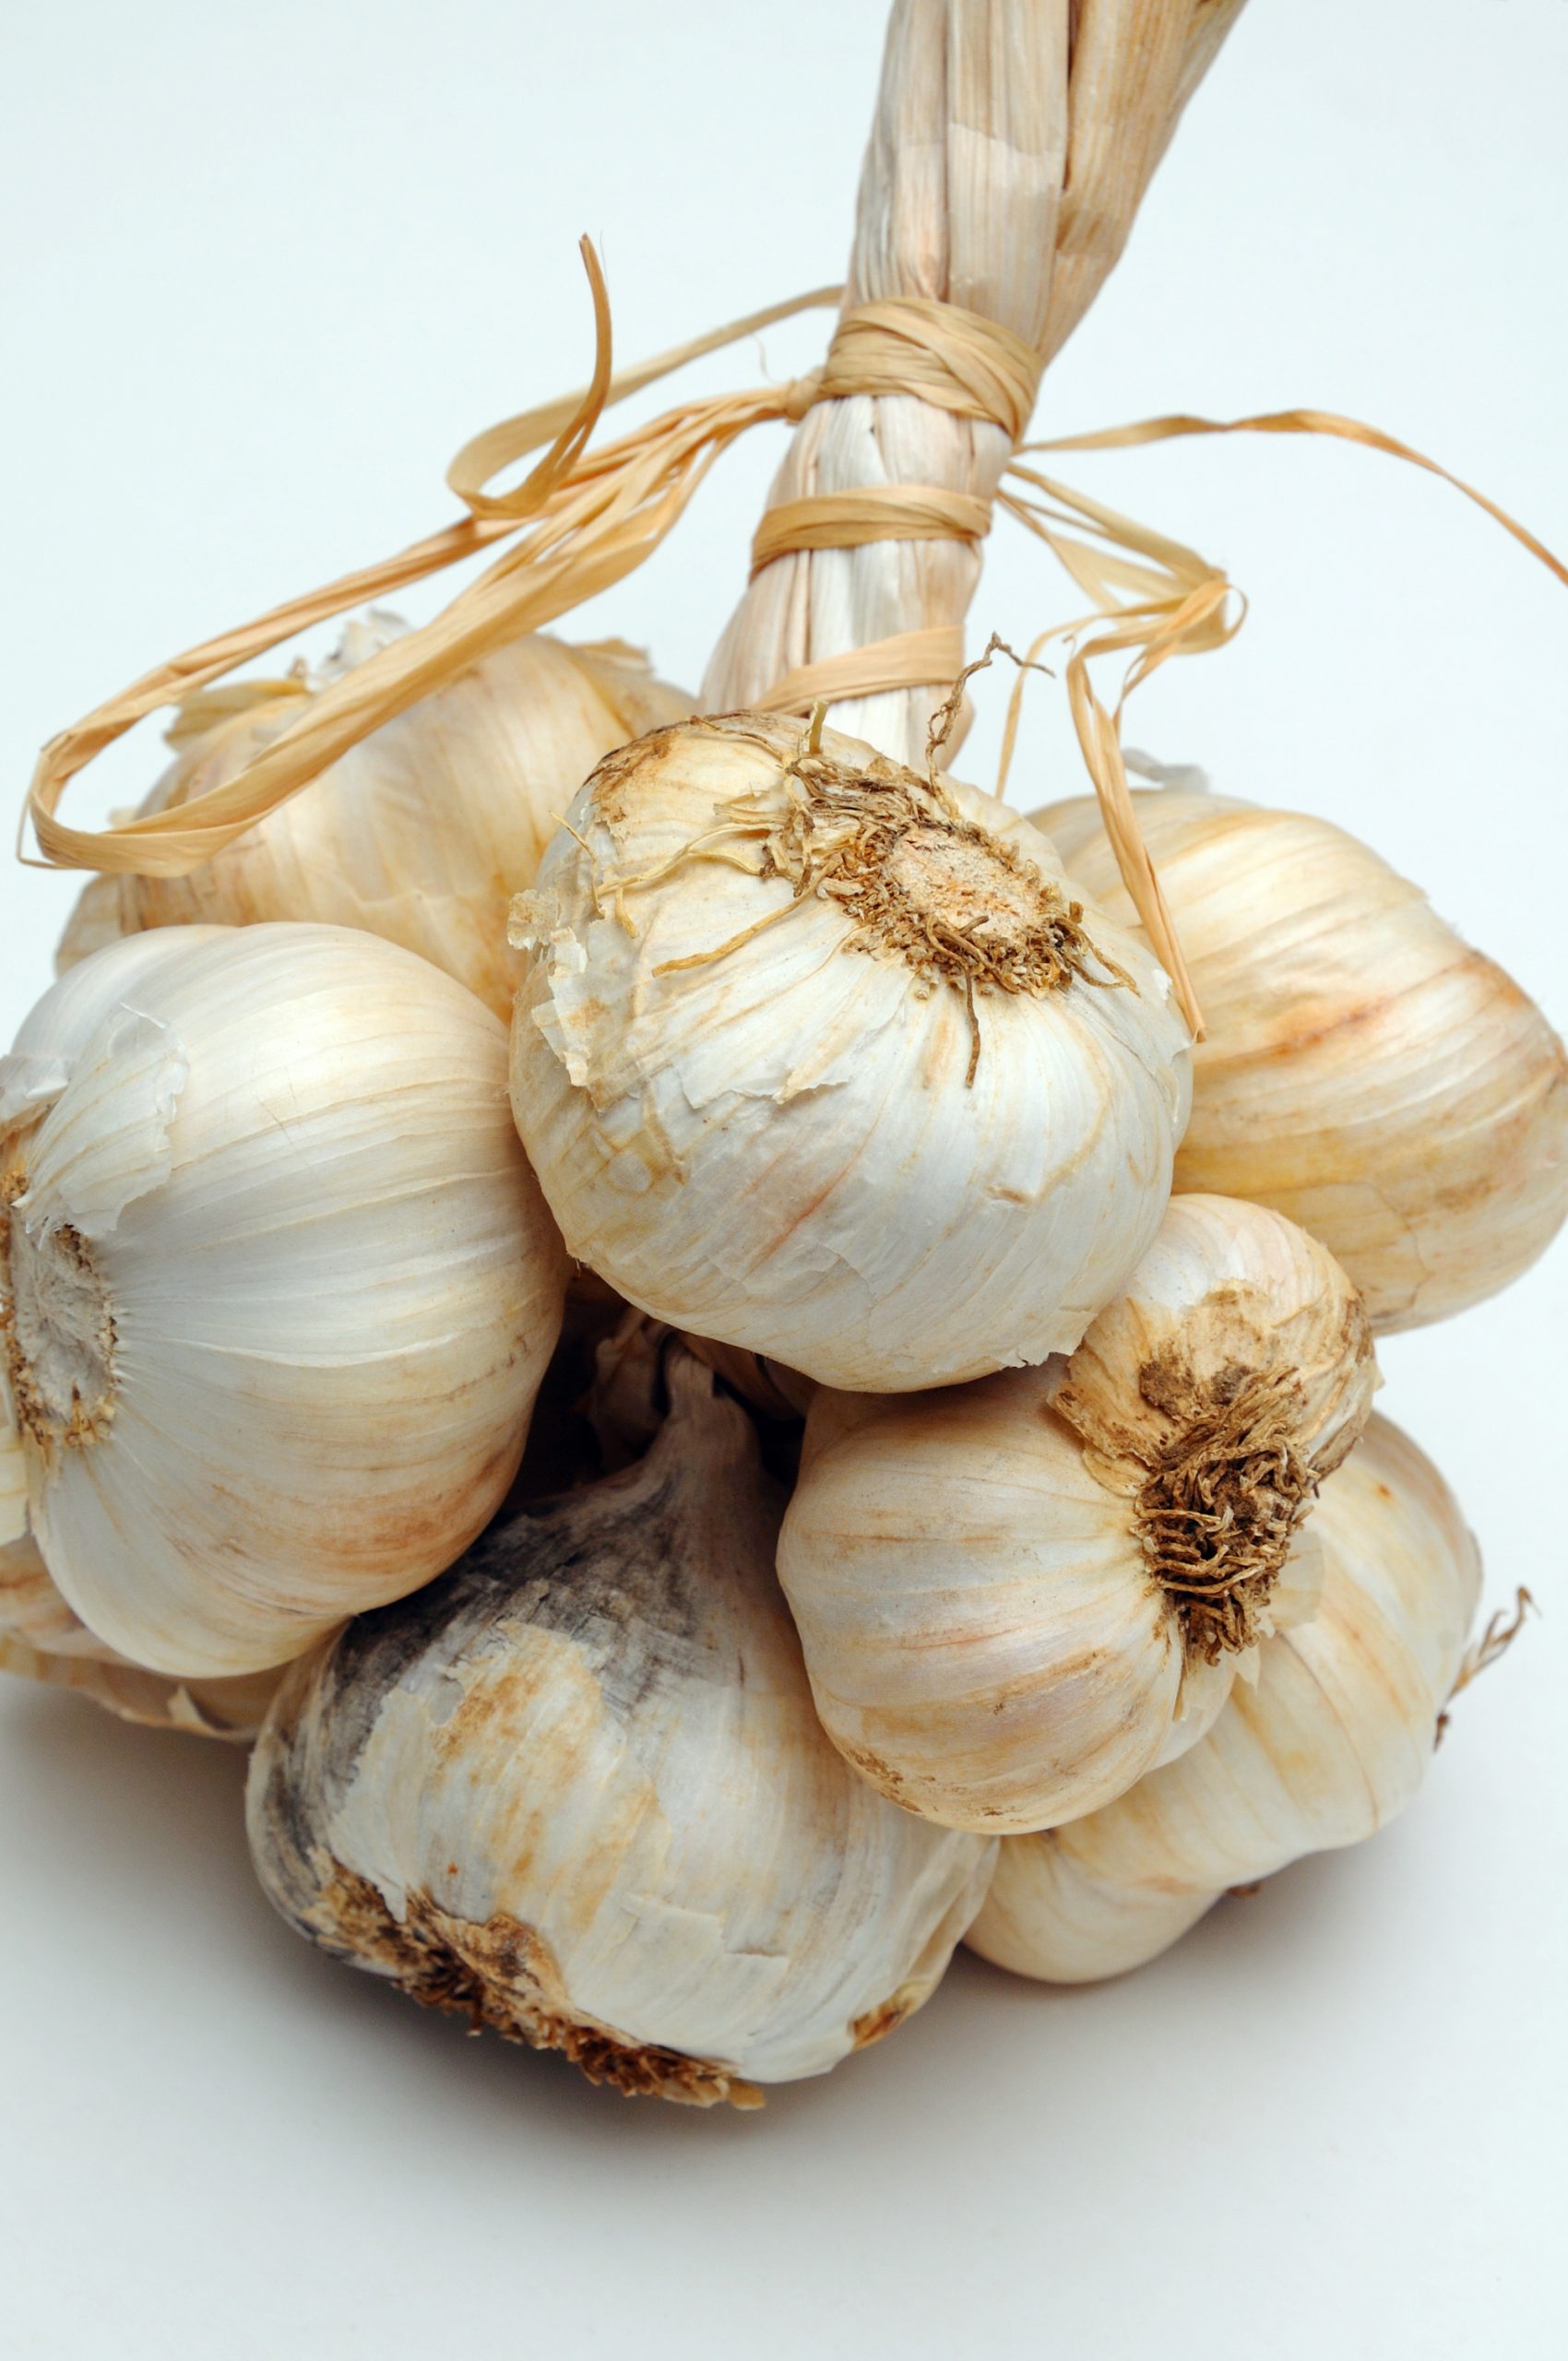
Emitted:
<point x="953" y="358"/>
<point x="584" y="517"/>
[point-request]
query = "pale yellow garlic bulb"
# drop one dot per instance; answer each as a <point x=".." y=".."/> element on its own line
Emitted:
<point x="1329" y="1741"/>
<point x="1363" y="1069"/>
<point x="818" y="1060"/>
<point x="278" y="1286"/>
<point x="42" y="1640"/>
<point x="1016" y="1596"/>
<point x="423" y="831"/>
<point x="576" y="1790"/>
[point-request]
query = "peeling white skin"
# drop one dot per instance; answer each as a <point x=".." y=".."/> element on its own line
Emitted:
<point x="599" y="1727"/>
<point x="1363" y="1069"/>
<point x="275" y="1194"/>
<point x="1330" y="1742"/>
<point x="423" y="831"/>
<point x="984" y="1637"/>
<point x="778" y="1149"/>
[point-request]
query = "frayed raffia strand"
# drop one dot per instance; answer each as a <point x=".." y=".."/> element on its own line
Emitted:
<point x="1160" y="599"/>
<point x="1500" y="1632"/>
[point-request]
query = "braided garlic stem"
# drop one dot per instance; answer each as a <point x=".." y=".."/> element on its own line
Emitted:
<point x="1012" y="142"/>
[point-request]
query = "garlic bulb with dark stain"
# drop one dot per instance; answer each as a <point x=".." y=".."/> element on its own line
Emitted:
<point x="576" y="1789"/>
<point x="1329" y="1741"/>
<point x="1364" y="1070"/>
<point x="1017" y="1595"/>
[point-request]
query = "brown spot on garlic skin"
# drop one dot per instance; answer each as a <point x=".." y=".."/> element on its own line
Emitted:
<point x="502" y="1977"/>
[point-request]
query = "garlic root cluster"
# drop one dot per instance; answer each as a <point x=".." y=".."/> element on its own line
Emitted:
<point x="576" y="1789"/>
<point x="1363" y="1069"/>
<point x="1326" y="1742"/>
<point x="423" y="831"/>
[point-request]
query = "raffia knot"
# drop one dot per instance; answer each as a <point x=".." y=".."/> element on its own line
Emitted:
<point x="938" y="354"/>
<point x="800" y="395"/>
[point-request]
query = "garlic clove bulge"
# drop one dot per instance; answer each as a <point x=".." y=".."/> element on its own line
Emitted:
<point x="42" y="1640"/>
<point x="1363" y="1069"/>
<point x="1329" y="1743"/>
<point x="937" y="1156"/>
<point x="577" y="1790"/>
<point x="278" y="1286"/>
<point x="1014" y="1596"/>
<point x="423" y="831"/>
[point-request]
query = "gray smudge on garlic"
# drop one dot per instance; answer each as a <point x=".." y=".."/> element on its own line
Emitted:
<point x="576" y="1789"/>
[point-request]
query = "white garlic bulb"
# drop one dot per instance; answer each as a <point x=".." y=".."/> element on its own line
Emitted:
<point x="577" y="1789"/>
<point x="935" y="1158"/>
<point x="1363" y="1069"/>
<point x="42" y="1640"/>
<point x="279" y="1288"/>
<point x="423" y="831"/>
<point x="1329" y="1742"/>
<point x="1016" y="1596"/>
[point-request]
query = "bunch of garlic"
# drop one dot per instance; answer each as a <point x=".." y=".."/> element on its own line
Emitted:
<point x="1323" y="1746"/>
<point x="576" y="1789"/>
<point x="1363" y="1069"/>
<point x="276" y="1287"/>
<point x="423" y="831"/>
<point x="1016" y="1596"/>
<point x="819" y="1058"/>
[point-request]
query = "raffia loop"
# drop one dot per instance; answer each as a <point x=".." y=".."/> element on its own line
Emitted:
<point x="881" y="511"/>
<point x="910" y="659"/>
<point x="592" y="517"/>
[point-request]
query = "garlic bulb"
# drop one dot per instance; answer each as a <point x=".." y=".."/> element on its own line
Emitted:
<point x="1016" y="1596"/>
<point x="1362" y="1070"/>
<point x="1331" y="1740"/>
<point x="577" y="1790"/>
<point x="425" y="829"/>
<point x="935" y="1158"/>
<point x="42" y="1640"/>
<point x="277" y="1285"/>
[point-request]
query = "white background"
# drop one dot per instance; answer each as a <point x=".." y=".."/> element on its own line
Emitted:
<point x="267" y="267"/>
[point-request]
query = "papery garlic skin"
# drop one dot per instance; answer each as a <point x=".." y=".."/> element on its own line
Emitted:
<point x="989" y="1580"/>
<point x="1329" y="1742"/>
<point x="42" y="1640"/>
<point x="423" y="831"/>
<point x="776" y="1146"/>
<point x="277" y="1285"/>
<point x="578" y="1788"/>
<point x="1363" y="1069"/>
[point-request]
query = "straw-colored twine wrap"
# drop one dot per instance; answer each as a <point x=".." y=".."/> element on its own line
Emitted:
<point x="593" y="516"/>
